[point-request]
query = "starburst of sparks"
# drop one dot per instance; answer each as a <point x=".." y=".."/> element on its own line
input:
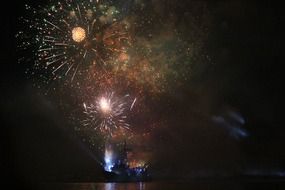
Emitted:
<point x="108" y="113"/>
<point x="72" y="33"/>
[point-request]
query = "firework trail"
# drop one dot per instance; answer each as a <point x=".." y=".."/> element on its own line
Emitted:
<point x="108" y="113"/>
<point x="71" y="34"/>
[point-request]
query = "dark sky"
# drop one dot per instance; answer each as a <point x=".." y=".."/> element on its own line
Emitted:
<point x="245" y="47"/>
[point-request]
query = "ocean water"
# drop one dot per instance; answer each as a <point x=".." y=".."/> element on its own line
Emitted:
<point x="166" y="185"/>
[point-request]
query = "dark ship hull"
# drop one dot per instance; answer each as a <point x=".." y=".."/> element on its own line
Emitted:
<point x="129" y="175"/>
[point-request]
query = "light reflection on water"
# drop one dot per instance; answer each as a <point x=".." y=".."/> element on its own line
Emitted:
<point x="170" y="185"/>
<point x="99" y="186"/>
<point x="144" y="186"/>
<point x="121" y="186"/>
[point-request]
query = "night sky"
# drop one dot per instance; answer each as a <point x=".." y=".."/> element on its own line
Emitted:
<point x="224" y="119"/>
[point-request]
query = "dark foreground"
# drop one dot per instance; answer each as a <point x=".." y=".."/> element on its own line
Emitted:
<point x="168" y="185"/>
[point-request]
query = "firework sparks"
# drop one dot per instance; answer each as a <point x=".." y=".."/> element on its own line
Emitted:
<point x="133" y="103"/>
<point x="107" y="113"/>
<point x="72" y="34"/>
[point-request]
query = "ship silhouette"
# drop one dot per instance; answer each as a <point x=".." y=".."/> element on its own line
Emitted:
<point x="118" y="169"/>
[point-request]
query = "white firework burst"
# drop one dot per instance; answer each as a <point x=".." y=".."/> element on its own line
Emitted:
<point x="72" y="33"/>
<point x="108" y="113"/>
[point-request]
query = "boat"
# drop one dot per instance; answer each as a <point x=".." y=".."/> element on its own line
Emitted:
<point x="118" y="169"/>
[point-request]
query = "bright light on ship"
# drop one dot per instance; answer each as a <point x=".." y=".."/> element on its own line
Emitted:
<point x="108" y="158"/>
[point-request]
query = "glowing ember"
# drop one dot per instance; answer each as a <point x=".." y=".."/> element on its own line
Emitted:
<point x="78" y="34"/>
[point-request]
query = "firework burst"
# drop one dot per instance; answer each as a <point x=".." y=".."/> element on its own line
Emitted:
<point x="108" y="113"/>
<point x="73" y="34"/>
